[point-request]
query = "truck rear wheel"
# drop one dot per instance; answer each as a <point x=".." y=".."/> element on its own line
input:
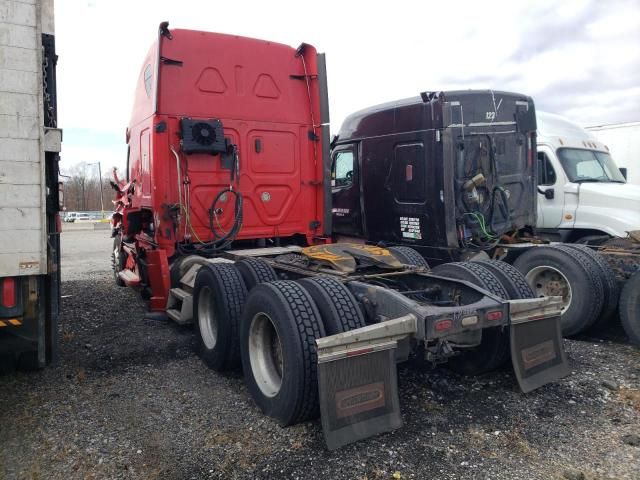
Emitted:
<point x="494" y="349"/>
<point x="630" y="308"/>
<point x="118" y="260"/>
<point x="337" y="305"/>
<point x="408" y="256"/>
<point x="563" y="271"/>
<point x="279" y="328"/>
<point x="218" y="298"/>
<point x="510" y="277"/>
<point x="611" y="292"/>
<point x="255" y="271"/>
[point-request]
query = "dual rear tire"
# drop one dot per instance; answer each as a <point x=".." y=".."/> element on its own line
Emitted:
<point x="578" y="274"/>
<point x="504" y="282"/>
<point x="630" y="308"/>
<point x="244" y="316"/>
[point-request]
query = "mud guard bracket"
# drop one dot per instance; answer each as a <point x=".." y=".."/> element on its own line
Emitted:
<point x="537" y="352"/>
<point x="357" y="381"/>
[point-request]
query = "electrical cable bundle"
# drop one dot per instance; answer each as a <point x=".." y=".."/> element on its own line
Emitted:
<point x="222" y="239"/>
<point x="481" y="208"/>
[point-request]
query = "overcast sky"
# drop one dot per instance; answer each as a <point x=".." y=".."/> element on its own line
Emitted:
<point x="576" y="58"/>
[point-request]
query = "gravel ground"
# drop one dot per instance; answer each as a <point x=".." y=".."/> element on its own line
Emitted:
<point x="129" y="399"/>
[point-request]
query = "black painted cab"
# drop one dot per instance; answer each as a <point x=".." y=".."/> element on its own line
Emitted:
<point x="443" y="172"/>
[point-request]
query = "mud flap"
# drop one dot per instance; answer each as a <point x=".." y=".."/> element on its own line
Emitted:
<point x="359" y="395"/>
<point x="537" y="352"/>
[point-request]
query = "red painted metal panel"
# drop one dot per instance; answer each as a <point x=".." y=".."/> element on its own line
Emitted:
<point x="267" y="97"/>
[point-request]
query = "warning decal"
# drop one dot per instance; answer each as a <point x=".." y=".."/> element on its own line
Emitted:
<point x="410" y="228"/>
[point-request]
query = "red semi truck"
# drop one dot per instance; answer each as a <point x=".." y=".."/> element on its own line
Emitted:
<point x="224" y="221"/>
<point x="186" y="192"/>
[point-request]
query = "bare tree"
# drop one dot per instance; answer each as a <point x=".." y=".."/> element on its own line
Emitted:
<point x="82" y="188"/>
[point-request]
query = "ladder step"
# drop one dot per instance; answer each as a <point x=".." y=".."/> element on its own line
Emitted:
<point x="129" y="278"/>
<point x="179" y="293"/>
<point x="175" y="315"/>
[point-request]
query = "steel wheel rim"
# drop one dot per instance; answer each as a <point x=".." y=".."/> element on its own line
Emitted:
<point x="207" y="319"/>
<point x="265" y="354"/>
<point x="546" y="281"/>
<point x="116" y="260"/>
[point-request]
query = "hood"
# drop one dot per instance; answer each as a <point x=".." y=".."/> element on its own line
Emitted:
<point x="621" y="195"/>
<point x="611" y="207"/>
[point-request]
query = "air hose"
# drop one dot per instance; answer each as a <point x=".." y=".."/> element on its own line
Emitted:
<point x="222" y="239"/>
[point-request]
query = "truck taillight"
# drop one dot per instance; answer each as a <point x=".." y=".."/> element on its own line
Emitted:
<point x="494" y="316"/>
<point x="442" y="325"/>
<point x="8" y="292"/>
<point x="530" y="150"/>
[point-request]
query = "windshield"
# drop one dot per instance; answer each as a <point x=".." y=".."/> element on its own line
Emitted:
<point x="589" y="166"/>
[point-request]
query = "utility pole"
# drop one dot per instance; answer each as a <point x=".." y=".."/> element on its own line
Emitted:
<point x="101" y="191"/>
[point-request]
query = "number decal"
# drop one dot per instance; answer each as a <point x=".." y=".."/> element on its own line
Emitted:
<point x="491" y="115"/>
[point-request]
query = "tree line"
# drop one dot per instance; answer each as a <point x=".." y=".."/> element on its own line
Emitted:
<point x="82" y="188"/>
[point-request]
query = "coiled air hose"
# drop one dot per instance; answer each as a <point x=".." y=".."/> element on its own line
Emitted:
<point x="222" y="239"/>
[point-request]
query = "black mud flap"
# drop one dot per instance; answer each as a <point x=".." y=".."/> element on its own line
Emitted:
<point x="537" y="352"/>
<point x="358" y="396"/>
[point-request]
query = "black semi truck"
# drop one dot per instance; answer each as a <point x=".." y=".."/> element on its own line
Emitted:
<point x="454" y="176"/>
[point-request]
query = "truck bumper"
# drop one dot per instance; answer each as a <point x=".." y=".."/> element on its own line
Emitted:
<point x="357" y="379"/>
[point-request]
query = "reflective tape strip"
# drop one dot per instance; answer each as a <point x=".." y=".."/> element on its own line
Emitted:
<point x="2" y="324"/>
<point x="15" y="321"/>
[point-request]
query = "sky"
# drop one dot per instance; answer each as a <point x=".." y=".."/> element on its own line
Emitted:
<point x="577" y="58"/>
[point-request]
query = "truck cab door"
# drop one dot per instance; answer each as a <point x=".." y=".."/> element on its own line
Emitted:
<point x="345" y="189"/>
<point x="550" y="192"/>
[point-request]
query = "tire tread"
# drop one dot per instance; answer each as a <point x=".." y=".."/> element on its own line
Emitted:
<point x="630" y="308"/>
<point x="255" y="271"/>
<point x="408" y="256"/>
<point x="310" y="328"/>
<point x="349" y="315"/>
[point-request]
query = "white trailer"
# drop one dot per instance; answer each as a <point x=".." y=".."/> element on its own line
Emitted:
<point x="29" y="191"/>
<point x="623" y="141"/>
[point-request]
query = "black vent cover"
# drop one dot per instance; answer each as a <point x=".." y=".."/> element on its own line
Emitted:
<point x="202" y="136"/>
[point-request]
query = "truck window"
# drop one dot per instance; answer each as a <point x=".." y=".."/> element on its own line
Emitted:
<point x="546" y="173"/>
<point x="342" y="175"/>
<point x="589" y="165"/>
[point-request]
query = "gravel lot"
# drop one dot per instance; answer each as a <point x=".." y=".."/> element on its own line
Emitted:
<point x="129" y="399"/>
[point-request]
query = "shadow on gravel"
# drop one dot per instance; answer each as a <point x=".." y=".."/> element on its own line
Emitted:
<point x="129" y="399"/>
<point x="106" y="330"/>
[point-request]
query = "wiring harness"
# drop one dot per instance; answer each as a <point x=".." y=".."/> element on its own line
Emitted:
<point x="221" y="239"/>
<point x="483" y="198"/>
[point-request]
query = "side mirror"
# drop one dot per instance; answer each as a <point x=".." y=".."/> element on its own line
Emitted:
<point x="623" y="171"/>
<point x="549" y="193"/>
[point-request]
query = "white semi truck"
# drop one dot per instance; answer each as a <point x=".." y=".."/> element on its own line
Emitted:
<point x="29" y="190"/>
<point x="623" y="141"/>
<point x="582" y="195"/>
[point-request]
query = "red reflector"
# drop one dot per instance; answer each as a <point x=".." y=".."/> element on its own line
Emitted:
<point x="362" y="351"/>
<point x="409" y="172"/>
<point x="8" y="292"/>
<point x="495" y="315"/>
<point x="442" y="325"/>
